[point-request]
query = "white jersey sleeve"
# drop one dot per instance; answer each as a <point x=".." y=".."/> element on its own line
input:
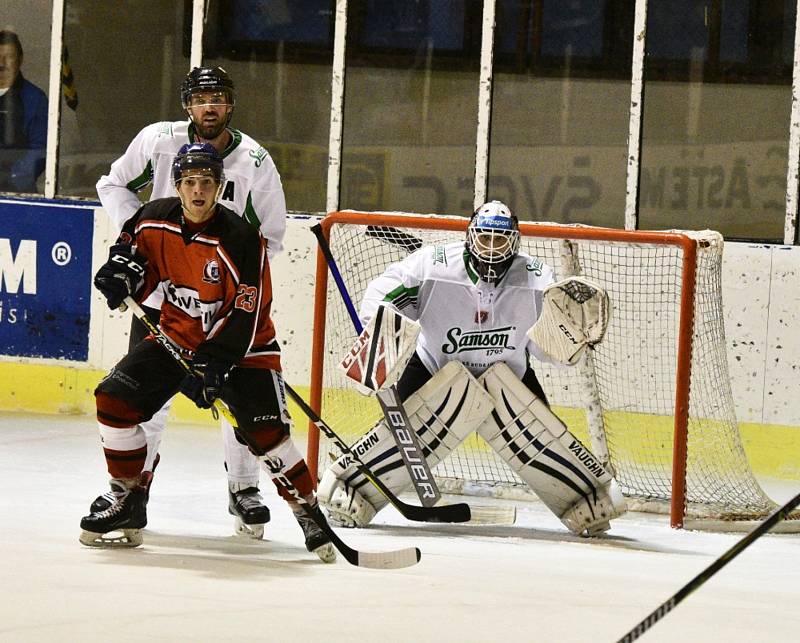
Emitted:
<point x="546" y="277"/>
<point x="253" y="189"/>
<point x="129" y="174"/>
<point x="266" y="201"/>
<point x="397" y="287"/>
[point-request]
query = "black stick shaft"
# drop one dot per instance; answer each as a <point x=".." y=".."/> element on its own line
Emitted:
<point x="781" y="513"/>
<point x="424" y="484"/>
<point x="459" y="512"/>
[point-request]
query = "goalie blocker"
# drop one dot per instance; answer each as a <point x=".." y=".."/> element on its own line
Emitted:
<point x="516" y="424"/>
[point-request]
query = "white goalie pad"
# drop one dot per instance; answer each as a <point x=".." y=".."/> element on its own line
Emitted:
<point x="575" y="313"/>
<point x="448" y="408"/>
<point x="538" y="447"/>
<point x="381" y="351"/>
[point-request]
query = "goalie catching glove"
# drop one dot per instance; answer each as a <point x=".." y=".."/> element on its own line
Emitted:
<point x="381" y="351"/>
<point x="575" y="314"/>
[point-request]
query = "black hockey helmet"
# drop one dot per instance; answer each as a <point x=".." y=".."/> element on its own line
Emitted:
<point x="206" y="79"/>
<point x="197" y="156"/>
<point x="492" y="240"/>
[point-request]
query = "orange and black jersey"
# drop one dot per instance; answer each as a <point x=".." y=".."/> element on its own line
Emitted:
<point x="215" y="281"/>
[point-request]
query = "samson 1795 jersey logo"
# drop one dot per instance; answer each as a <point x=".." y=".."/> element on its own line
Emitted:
<point x="459" y="341"/>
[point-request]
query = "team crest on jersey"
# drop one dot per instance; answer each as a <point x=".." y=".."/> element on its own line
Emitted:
<point x="258" y="156"/>
<point x="494" y="339"/>
<point x="211" y="272"/>
<point x="535" y="266"/>
<point x="481" y="316"/>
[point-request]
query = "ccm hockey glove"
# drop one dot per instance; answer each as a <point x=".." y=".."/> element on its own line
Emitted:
<point x="205" y="384"/>
<point x="121" y="275"/>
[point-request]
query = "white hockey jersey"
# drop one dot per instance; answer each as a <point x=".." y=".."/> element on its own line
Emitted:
<point x="252" y="184"/>
<point x="461" y="316"/>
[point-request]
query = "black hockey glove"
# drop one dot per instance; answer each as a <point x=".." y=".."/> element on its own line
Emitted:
<point x="205" y="384"/>
<point x="121" y="275"/>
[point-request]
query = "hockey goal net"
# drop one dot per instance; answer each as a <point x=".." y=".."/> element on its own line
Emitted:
<point x="653" y="400"/>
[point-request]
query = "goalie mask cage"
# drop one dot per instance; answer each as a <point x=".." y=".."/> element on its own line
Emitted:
<point x="654" y="397"/>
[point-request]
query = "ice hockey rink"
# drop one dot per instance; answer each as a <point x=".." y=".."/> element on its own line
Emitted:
<point x="192" y="580"/>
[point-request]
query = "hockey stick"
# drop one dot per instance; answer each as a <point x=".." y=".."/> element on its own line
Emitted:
<point x="446" y="513"/>
<point x="781" y="513"/>
<point x="397" y="422"/>
<point x="394" y="237"/>
<point x="374" y="560"/>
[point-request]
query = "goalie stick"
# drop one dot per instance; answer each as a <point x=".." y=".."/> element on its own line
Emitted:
<point x="397" y="422"/>
<point x="781" y="513"/>
<point x="374" y="560"/>
<point x="458" y="512"/>
<point x="446" y="513"/>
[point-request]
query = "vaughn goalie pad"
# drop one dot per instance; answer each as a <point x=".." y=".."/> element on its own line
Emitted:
<point x="447" y="409"/>
<point x="381" y="351"/>
<point x="539" y="448"/>
<point x="575" y="313"/>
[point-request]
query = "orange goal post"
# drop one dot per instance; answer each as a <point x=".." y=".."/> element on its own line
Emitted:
<point x="653" y="400"/>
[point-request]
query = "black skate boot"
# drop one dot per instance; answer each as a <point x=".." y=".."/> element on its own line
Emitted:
<point x="127" y="515"/>
<point x="317" y="541"/>
<point x="248" y="508"/>
<point x="104" y="501"/>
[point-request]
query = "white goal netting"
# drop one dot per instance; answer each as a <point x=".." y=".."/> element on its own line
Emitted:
<point x="621" y="400"/>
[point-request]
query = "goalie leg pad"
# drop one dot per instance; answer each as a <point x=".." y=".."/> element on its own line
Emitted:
<point x="447" y="409"/>
<point x="538" y="447"/>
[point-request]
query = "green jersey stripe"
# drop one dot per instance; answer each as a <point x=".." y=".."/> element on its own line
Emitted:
<point x="143" y="180"/>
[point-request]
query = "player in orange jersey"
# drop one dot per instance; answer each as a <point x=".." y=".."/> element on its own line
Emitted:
<point x="211" y="267"/>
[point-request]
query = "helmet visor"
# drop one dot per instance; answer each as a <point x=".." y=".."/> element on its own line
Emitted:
<point x="209" y="99"/>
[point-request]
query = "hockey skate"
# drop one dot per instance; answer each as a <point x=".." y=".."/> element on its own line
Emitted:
<point x="317" y="541"/>
<point x="126" y="516"/>
<point x="249" y="511"/>
<point x="104" y="501"/>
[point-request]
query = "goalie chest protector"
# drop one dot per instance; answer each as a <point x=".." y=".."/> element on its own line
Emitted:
<point x="462" y="317"/>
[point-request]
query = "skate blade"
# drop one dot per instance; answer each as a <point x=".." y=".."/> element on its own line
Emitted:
<point x="326" y="553"/>
<point x="243" y="530"/>
<point x="597" y="530"/>
<point x="487" y="515"/>
<point x="123" y="538"/>
<point x="335" y="519"/>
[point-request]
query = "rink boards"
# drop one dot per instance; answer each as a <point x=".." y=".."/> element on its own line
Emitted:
<point x="61" y="338"/>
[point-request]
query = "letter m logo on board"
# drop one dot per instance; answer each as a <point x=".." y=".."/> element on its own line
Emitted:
<point x="18" y="269"/>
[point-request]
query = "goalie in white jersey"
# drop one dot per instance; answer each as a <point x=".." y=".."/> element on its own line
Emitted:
<point x="252" y="188"/>
<point x="472" y="315"/>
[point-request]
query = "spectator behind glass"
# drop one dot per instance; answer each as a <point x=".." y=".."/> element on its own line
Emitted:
<point x="23" y="121"/>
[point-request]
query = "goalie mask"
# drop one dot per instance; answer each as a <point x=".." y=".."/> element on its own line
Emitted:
<point x="492" y="240"/>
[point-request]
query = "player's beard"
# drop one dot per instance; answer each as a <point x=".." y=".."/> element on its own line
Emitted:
<point x="209" y="131"/>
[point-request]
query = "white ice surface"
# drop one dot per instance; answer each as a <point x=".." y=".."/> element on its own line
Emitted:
<point x="193" y="581"/>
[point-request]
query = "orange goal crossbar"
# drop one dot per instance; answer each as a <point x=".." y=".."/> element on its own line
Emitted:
<point x="547" y="231"/>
